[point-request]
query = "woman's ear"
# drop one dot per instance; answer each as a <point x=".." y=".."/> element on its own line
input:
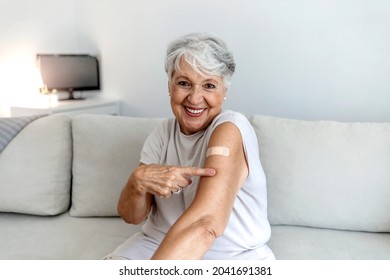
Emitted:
<point x="169" y="88"/>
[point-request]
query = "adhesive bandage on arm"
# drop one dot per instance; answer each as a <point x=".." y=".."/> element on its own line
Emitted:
<point x="218" y="151"/>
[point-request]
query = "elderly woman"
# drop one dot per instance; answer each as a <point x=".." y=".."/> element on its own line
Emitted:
<point x="200" y="185"/>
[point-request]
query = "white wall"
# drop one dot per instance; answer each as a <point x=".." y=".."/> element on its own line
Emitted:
<point x="325" y="59"/>
<point x="28" y="27"/>
<point x="305" y="59"/>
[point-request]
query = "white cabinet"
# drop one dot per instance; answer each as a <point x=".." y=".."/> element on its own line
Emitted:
<point x="70" y="107"/>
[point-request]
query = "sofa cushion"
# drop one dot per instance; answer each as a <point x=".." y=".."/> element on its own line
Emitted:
<point x="10" y="127"/>
<point x="35" y="168"/>
<point x="325" y="173"/>
<point x="106" y="150"/>
<point x="305" y="243"/>
<point x="62" y="237"/>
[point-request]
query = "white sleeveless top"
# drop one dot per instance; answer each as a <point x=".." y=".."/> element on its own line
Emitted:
<point x="248" y="229"/>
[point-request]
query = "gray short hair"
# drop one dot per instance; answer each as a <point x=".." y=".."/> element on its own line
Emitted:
<point x="204" y="52"/>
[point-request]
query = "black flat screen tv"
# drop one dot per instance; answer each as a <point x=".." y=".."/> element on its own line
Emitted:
<point x="69" y="72"/>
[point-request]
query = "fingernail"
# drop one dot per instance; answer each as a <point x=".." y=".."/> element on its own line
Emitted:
<point x="212" y="171"/>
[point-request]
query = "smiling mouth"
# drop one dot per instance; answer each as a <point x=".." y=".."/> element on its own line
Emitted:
<point x="194" y="112"/>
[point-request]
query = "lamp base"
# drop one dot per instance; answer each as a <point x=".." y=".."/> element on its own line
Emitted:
<point x="73" y="96"/>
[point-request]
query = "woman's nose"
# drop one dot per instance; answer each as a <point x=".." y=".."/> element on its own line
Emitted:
<point x="196" y="95"/>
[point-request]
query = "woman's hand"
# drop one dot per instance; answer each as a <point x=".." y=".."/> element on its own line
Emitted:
<point x="136" y="198"/>
<point x="163" y="180"/>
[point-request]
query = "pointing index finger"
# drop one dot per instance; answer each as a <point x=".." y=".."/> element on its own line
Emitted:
<point x="197" y="171"/>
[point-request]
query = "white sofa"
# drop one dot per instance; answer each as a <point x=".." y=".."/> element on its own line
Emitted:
<point x="328" y="187"/>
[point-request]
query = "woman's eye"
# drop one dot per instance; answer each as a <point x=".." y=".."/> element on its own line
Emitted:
<point x="184" y="84"/>
<point x="209" y="86"/>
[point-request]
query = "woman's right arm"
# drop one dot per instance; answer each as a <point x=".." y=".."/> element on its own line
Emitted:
<point x="148" y="180"/>
<point x="135" y="202"/>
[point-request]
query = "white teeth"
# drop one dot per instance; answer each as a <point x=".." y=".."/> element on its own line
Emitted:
<point x="192" y="111"/>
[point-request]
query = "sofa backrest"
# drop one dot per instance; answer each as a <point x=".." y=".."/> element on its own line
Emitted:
<point x="35" y="168"/>
<point x="319" y="173"/>
<point x="106" y="149"/>
<point x="326" y="174"/>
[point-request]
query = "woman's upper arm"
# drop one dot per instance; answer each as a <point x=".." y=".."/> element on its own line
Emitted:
<point x="216" y="195"/>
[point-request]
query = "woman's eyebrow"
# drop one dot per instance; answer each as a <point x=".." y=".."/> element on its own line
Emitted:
<point x="211" y="80"/>
<point x="181" y="77"/>
<point x="207" y="80"/>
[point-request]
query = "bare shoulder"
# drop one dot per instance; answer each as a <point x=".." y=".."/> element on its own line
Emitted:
<point x="216" y="194"/>
<point x="227" y="134"/>
<point x="225" y="153"/>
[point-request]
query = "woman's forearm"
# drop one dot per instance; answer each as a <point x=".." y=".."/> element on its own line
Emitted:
<point x="146" y="181"/>
<point x="134" y="204"/>
<point x="187" y="241"/>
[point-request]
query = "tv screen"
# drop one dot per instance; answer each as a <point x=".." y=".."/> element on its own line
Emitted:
<point x="69" y="72"/>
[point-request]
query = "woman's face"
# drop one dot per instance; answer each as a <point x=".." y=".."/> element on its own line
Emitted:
<point x="195" y="99"/>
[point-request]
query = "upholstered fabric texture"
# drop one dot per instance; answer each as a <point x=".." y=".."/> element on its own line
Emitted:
<point x="35" y="168"/>
<point x="106" y="150"/>
<point x="306" y="243"/>
<point x="326" y="174"/>
<point x="10" y="127"/>
<point x="61" y="237"/>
